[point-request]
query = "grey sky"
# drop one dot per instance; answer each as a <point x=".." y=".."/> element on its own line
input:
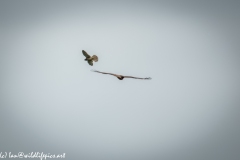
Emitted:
<point x="51" y="102"/>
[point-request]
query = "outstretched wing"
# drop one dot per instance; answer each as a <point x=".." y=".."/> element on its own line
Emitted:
<point x="90" y="62"/>
<point x="85" y="54"/>
<point x="147" y="78"/>
<point x="103" y="72"/>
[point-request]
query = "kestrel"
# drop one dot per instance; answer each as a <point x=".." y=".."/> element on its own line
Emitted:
<point x="121" y="77"/>
<point x="90" y="59"/>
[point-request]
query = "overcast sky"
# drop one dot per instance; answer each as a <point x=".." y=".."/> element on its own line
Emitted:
<point x="51" y="102"/>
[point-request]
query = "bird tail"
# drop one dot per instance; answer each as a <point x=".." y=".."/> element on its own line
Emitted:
<point x="95" y="58"/>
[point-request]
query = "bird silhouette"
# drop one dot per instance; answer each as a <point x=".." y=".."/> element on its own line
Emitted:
<point x="90" y="59"/>
<point x="121" y="77"/>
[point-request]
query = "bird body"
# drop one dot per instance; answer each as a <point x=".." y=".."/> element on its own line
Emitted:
<point x="90" y="59"/>
<point x="121" y="77"/>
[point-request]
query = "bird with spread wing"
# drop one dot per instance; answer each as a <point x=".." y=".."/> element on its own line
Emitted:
<point x="121" y="77"/>
<point x="90" y="59"/>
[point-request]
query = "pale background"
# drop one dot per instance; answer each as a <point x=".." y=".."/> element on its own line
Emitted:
<point x="51" y="102"/>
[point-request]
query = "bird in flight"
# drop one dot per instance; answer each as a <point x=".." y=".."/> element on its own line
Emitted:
<point x="120" y="77"/>
<point x="90" y="59"/>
